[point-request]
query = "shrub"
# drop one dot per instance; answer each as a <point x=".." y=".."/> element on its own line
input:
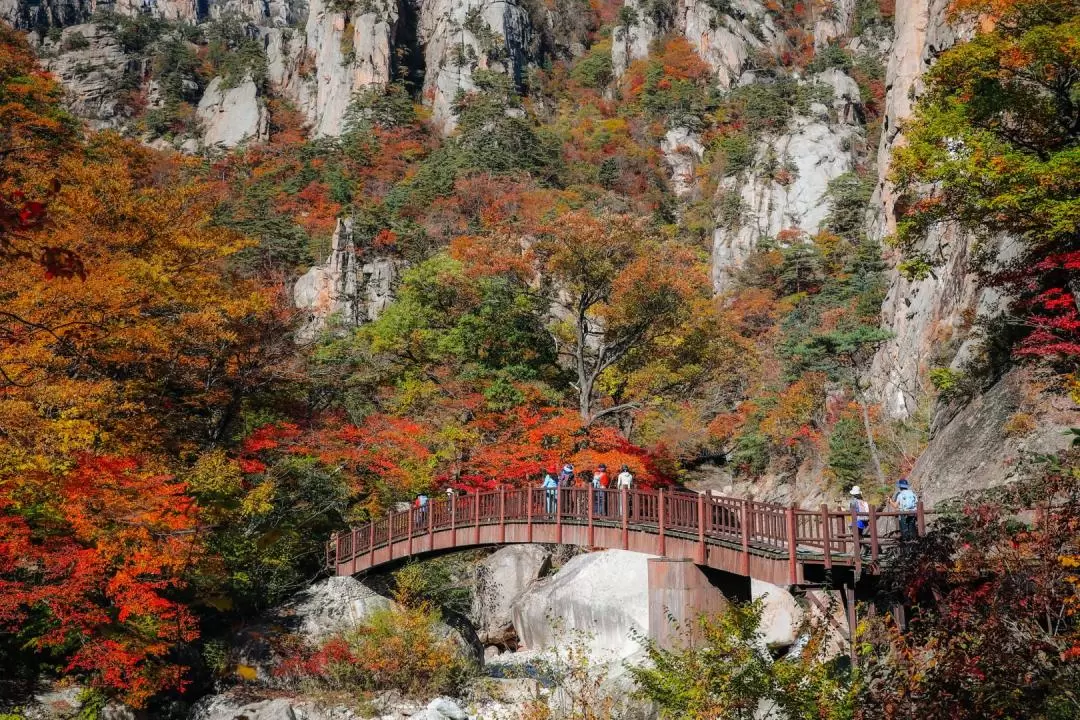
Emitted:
<point x="830" y="56"/>
<point x="595" y="69"/>
<point x="396" y="648"/>
<point x="950" y="384"/>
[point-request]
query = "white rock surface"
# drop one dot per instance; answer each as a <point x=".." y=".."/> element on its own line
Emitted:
<point x="442" y="708"/>
<point x="91" y="74"/>
<point x="500" y="580"/>
<point x="232" y="115"/>
<point x="683" y="152"/>
<point x="723" y="41"/>
<point x="833" y="21"/>
<point x="349" y="54"/>
<point x="781" y="614"/>
<point x="924" y="315"/>
<point x="229" y="707"/>
<point x="460" y="36"/>
<point x="344" y="287"/>
<point x="846" y="96"/>
<point x="818" y="153"/>
<point x="604" y="595"/>
<point x="631" y="42"/>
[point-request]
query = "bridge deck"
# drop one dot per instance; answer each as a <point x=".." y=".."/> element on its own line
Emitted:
<point x="740" y="536"/>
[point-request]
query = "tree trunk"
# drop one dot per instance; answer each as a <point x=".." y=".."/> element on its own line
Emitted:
<point x="870" y="437"/>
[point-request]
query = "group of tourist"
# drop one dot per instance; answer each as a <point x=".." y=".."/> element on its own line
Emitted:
<point x="598" y="479"/>
<point x="903" y="500"/>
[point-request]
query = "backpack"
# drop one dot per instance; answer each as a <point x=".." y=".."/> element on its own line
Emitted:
<point x="859" y="508"/>
<point x="907" y="500"/>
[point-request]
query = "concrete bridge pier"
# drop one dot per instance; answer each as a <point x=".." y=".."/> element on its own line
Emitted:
<point x="679" y="592"/>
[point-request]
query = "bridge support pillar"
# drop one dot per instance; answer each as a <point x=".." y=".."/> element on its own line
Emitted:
<point x="679" y="591"/>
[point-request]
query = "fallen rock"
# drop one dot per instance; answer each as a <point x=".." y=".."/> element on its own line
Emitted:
<point x="332" y="605"/>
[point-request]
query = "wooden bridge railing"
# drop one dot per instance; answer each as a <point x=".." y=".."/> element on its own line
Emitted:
<point x="824" y="536"/>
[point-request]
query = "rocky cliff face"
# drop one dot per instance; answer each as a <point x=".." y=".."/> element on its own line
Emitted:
<point x="725" y="34"/>
<point x="925" y="315"/>
<point x="981" y="440"/>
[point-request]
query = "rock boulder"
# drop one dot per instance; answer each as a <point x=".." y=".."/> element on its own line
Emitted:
<point x="603" y="595"/>
<point x="500" y="580"/>
<point x="232" y="115"/>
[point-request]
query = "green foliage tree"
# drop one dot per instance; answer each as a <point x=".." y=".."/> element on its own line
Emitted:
<point x="728" y="673"/>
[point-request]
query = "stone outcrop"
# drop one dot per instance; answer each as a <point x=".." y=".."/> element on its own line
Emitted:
<point x="971" y="448"/>
<point x="90" y="63"/>
<point x="631" y="40"/>
<point x="232" y="115"/>
<point x="683" y="152"/>
<point x="725" y="40"/>
<point x="348" y="53"/>
<point x="603" y="595"/>
<point x="792" y="197"/>
<point x="330" y="606"/>
<point x="461" y="36"/>
<point x="924" y="315"/>
<point x="354" y="292"/>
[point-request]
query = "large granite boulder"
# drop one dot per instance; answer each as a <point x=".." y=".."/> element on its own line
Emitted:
<point x="499" y="581"/>
<point x="781" y="614"/>
<point x="603" y="595"/>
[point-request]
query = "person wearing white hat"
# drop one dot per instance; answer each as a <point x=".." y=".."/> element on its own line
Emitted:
<point x="860" y="510"/>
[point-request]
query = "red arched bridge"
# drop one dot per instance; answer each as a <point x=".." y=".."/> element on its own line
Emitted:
<point x="770" y="542"/>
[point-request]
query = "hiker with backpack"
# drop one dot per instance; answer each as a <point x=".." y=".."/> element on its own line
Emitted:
<point x="860" y="515"/>
<point x="906" y="501"/>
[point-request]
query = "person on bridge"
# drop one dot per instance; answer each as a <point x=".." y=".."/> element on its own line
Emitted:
<point x="420" y="506"/>
<point x="601" y="481"/>
<point x="625" y="481"/>
<point x="566" y="477"/>
<point x="860" y="510"/>
<point x="906" y="501"/>
<point x="551" y="487"/>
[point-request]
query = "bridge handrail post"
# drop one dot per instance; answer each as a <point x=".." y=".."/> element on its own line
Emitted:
<point x="856" y="545"/>
<point x="528" y="513"/>
<point x="660" y="520"/>
<point x="558" y="515"/>
<point x="624" y="499"/>
<point x="409" y="531"/>
<point x="453" y="519"/>
<point x="371" y="541"/>
<point x="826" y="535"/>
<point x="430" y="510"/>
<point x="873" y="535"/>
<point x="476" y="517"/>
<point x="502" y="514"/>
<point x="920" y="519"/>
<point x="744" y="527"/>
<point x="793" y="546"/>
<point x="591" y="498"/>
<point x="701" y="528"/>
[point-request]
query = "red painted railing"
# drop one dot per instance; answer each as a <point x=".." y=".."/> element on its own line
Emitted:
<point x="822" y="536"/>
